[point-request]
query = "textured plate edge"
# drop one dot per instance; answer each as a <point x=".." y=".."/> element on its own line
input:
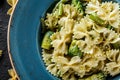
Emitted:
<point x="8" y="40"/>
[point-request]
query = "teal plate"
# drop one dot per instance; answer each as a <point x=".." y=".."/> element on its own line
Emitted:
<point x="24" y="38"/>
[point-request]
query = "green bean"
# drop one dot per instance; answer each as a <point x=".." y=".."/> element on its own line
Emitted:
<point x="97" y="19"/>
<point x="60" y="9"/>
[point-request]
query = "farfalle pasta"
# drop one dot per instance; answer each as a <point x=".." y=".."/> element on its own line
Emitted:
<point x="82" y="40"/>
<point x="112" y="55"/>
<point x="108" y="11"/>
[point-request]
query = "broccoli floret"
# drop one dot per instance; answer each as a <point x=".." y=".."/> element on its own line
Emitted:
<point x="74" y="50"/>
<point x="46" y="43"/>
<point x="78" y="5"/>
<point x="98" y="76"/>
<point x="116" y="45"/>
<point x="109" y="27"/>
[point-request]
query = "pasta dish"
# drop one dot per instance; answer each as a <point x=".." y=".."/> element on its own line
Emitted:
<point x="82" y="40"/>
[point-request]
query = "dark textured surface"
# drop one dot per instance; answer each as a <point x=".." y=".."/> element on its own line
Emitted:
<point x="4" y="60"/>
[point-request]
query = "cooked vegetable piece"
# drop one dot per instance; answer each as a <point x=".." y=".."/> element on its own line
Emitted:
<point x="74" y="2"/>
<point x="116" y="45"/>
<point x="78" y="5"/>
<point x="97" y="19"/>
<point x="74" y="50"/>
<point x="60" y="9"/>
<point x="46" y="43"/>
<point x="98" y="76"/>
<point x="43" y="25"/>
<point x="58" y="28"/>
<point x="64" y="1"/>
<point x="109" y="27"/>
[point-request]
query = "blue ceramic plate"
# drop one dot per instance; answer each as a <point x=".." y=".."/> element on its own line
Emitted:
<point x="25" y="37"/>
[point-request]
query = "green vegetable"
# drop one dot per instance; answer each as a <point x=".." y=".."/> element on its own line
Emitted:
<point x="43" y="25"/>
<point x="46" y="43"/>
<point x="109" y="27"/>
<point x="78" y="5"/>
<point x="58" y="28"/>
<point x="64" y="1"/>
<point x="74" y="50"/>
<point x="97" y="19"/>
<point x="60" y="9"/>
<point x="98" y="76"/>
<point x="116" y="45"/>
<point x="74" y="2"/>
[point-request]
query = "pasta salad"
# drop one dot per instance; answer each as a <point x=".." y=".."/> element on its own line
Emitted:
<point x="82" y="40"/>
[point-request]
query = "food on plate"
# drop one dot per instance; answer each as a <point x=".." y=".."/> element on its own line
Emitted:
<point x="82" y="40"/>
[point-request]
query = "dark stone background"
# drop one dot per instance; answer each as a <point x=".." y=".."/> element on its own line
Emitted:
<point x="4" y="60"/>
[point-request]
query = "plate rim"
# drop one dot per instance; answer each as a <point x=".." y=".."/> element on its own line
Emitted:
<point x="13" y="62"/>
<point x="8" y="39"/>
